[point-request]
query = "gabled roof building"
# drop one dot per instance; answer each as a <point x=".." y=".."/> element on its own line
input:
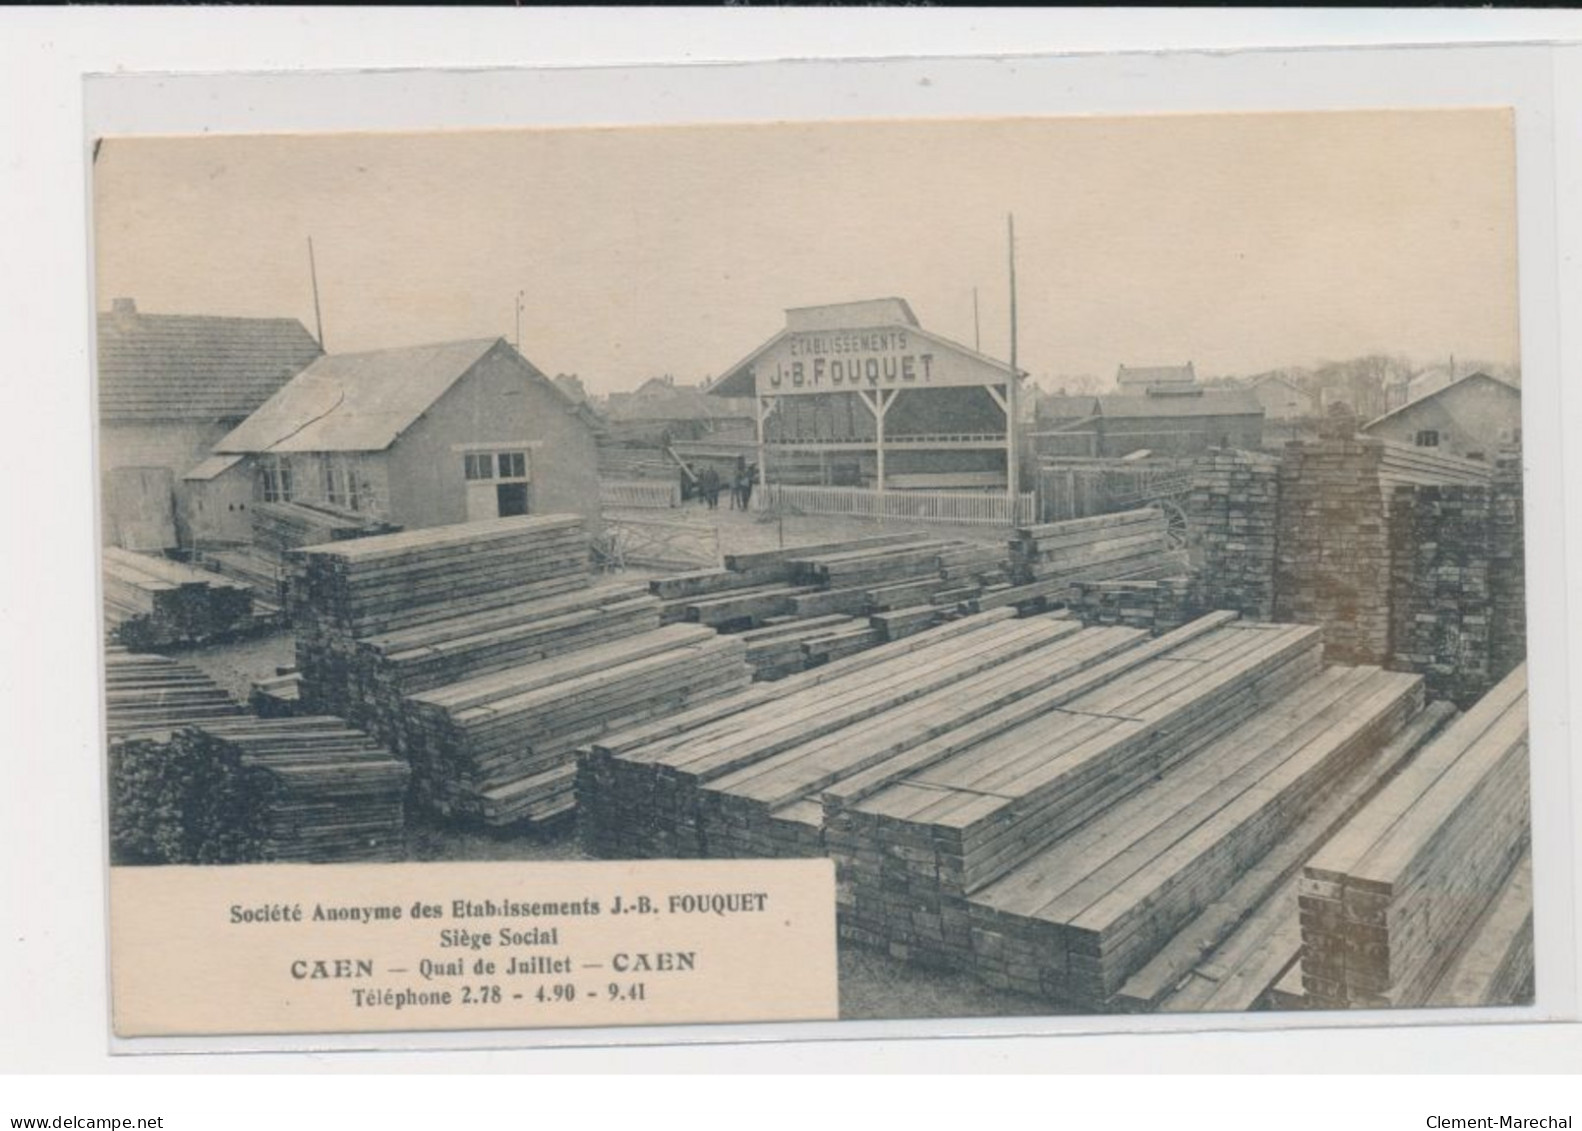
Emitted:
<point x="424" y="436"/>
<point x="167" y="387"/>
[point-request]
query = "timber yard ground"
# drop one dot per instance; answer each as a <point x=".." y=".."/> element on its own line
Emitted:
<point x="872" y="984"/>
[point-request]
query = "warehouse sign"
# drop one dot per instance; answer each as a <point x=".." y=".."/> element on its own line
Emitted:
<point x="844" y="361"/>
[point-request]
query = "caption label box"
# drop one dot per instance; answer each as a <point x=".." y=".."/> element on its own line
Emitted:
<point x="379" y="947"/>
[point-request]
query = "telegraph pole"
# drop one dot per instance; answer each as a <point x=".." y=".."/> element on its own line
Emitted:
<point x="519" y="297"/>
<point x="1012" y="470"/>
<point x="313" y="273"/>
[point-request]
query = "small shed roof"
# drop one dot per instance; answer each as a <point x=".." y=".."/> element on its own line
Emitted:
<point x="193" y="366"/>
<point x="1206" y="402"/>
<point x="359" y="402"/>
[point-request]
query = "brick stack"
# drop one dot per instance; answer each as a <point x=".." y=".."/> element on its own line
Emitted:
<point x="1232" y="515"/>
<point x="1442" y="545"/>
<point x="1332" y="559"/>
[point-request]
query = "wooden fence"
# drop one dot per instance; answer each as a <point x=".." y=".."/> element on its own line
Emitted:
<point x="1083" y="488"/>
<point x="635" y="494"/>
<point x="960" y="507"/>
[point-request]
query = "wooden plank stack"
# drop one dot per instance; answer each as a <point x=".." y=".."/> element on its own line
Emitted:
<point x="342" y="592"/>
<point x="278" y="527"/>
<point x="1048" y="560"/>
<point x="278" y="696"/>
<point x="148" y="693"/>
<point x="1391" y="901"/>
<point x="501" y="746"/>
<point x="301" y="790"/>
<point x="926" y="833"/>
<point x="1078" y="919"/>
<point x="387" y="668"/>
<point x="152" y="602"/>
<point x="1234" y="954"/>
<point x="846" y="596"/>
<point x="1232" y="515"/>
<point x="634" y="802"/>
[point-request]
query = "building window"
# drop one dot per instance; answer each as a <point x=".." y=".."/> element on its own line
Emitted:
<point x="1428" y="438"/>
<point x="479" y="465"/>
<point x="274" y="473"/>
<point x="513" y="465"/>
<point x="340" y="481"/>
<point x="498" y="485"/>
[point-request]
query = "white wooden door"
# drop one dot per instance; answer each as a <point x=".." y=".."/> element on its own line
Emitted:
<point x="483" y="501"/>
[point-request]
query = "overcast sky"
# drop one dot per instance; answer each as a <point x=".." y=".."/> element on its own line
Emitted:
<point x="1239" y="242"/>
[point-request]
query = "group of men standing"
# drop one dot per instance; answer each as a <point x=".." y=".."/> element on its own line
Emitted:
<point x="709" y="484"/>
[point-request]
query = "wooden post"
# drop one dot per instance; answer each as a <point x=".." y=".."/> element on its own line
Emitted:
<point x="763" y="463"/>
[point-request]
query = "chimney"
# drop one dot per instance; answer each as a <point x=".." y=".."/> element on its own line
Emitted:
<point x="124" y="311"/>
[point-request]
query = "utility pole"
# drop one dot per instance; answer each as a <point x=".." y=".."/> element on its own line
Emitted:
<point x="1012" y="470"/>
<point x="519" y="296"/>
<point x="977" y="341"/>
<point x="313" y="273"/>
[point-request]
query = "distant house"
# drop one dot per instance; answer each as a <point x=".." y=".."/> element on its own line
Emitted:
<point x="1474" y="417"/>
<point x="1282" y="398"/>
<point x="1139" y="379"/>
<point x="169" y="386"/>
<point x="424" y="436"/>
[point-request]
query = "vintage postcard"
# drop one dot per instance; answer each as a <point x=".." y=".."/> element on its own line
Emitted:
<point x="807" y="571"/>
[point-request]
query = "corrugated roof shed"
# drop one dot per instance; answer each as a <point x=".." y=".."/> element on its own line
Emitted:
<point x="194" y="367"/>
<point x="357" y="402"/>
<point x="1208" y="402"/>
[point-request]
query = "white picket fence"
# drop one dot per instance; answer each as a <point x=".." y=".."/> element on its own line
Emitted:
<point x="640" y="494"/>
<point x="960" y="507"/>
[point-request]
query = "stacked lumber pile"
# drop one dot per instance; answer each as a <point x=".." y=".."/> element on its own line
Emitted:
<point x="1508" y="571"/>
<point x="149" y="693"/>
<point x="811" y="605"/>
<point x="1080" y="813"/>
<point x="1407" y="465"/>
<point x="1078" y="919"/>
<point x="1433" y="865"/>
<point x="1048" y="560"/>
<point x="263" y="574"/>
<point x="387" y="668"/>
<point x="304" y="790"/>
<point x="342" y="592"/>
<point x="928" y="831"/>
<point x="152" y="602"/>
<point x="1232" y="513"/>
<point x="1242" y="951"/>
<point x="278" y="527"/>
<point x="277" y="697"/>
<point x="482" y="654"/>
<point x="633" y="800"/>
<point x="501" y="747"/>
<point x="1442" y="554"/>
<point x="1157" y="606"/>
